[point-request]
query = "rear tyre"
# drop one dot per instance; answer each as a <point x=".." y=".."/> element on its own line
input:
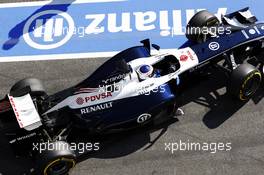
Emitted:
<point x="57" y="161"/>
<point x="197" y="22"/>
<point x="36" y="86"/>
<point x="244" y="82"/>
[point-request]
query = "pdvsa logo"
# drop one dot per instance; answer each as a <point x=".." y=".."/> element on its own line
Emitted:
<point x="80" y="101"/>
<point x="48" y="29"/>
<point x="97" y="97"/>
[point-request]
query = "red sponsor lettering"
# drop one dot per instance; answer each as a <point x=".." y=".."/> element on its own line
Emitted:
<point x="15" y="111"/>
<point x="190" y="55"/>
<point x="98" y="97"/>
<point x="81" y="101"/>
<point x="183" y="58"/>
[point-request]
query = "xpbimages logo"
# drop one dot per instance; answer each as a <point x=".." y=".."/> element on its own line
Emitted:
<point x="61" y="146"/>
<point x="51" y="29"/>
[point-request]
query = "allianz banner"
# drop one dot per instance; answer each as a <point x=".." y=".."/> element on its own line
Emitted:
<point x="99" y="28"/>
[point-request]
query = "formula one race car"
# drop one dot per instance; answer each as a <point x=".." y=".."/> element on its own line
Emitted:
<point x="132" y="89"/>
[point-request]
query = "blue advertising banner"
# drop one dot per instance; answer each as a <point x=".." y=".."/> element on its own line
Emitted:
<point x="100" y="28"/>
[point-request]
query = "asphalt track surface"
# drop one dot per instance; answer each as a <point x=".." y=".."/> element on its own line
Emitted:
<point x="210" y="117"/>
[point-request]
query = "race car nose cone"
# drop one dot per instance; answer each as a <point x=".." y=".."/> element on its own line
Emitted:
<point x="145" y="69"/>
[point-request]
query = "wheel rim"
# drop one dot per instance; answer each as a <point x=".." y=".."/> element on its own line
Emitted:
<point x="59" y="167"/>
<point x="251" y="85"/>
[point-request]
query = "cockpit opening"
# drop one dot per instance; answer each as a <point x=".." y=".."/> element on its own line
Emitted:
<point x="168" y="65"/>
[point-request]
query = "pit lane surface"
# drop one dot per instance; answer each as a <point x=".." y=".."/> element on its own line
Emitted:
<point x="210" y="116"/>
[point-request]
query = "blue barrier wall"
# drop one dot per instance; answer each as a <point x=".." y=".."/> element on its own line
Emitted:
<point x="74" y="27"/>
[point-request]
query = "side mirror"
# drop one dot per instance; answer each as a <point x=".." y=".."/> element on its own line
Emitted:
<point x="155" y="46"/>
<point x="146" y="44"/>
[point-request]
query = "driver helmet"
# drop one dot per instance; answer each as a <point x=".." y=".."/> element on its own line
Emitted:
<point x="145" y="71"/>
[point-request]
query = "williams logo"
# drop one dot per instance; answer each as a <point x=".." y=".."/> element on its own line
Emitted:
<point x="48" y="29"/>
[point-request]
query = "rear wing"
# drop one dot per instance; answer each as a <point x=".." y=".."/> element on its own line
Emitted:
<point x="25" y="112"/>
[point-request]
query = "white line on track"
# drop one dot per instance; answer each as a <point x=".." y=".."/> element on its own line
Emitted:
<point x="56" y="2"/>
<point x="69" y="56"/>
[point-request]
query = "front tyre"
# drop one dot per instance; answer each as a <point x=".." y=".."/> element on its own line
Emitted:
<point x="197" y="23"/>
<point x="244" y="81"/>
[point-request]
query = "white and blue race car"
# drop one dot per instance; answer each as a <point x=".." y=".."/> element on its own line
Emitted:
<point x="133" y="88"/>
